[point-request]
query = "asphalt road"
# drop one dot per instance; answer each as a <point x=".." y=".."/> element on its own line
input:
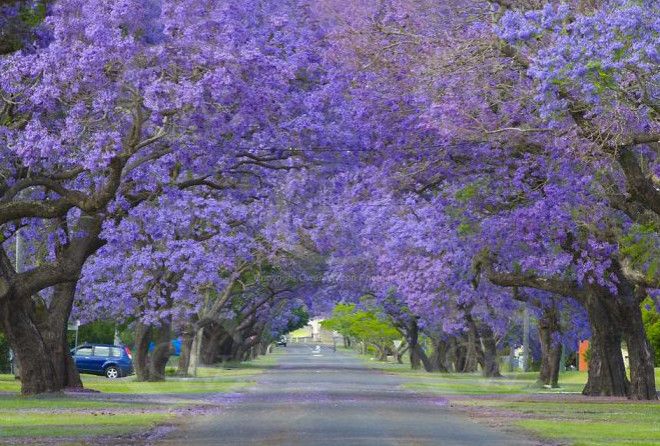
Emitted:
<point x="329" y="398"/>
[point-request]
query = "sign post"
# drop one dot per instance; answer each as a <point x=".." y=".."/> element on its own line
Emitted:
<point x="74" y="327"/>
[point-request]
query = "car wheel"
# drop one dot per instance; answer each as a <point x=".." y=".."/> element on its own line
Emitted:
<point x="112" y="372"/>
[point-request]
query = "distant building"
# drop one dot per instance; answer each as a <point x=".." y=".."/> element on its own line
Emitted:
<point x="314" y="332"/>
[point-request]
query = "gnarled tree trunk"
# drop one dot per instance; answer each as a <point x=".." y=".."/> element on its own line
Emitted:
<point x="187" y="337"/>
<point x="551" y="348"/>
<point x="161" y="353"/>
<point x="482" y="339"/>
<point x="195" y="352"/>
<point x="412" y="337"/>
<point x="54" y="331"/>
<point x="488" y="353"/>
<point x="640" y="353"/>
<point x="470" y="361"/>
<point x="141" y="352"/>
<point x="607" y="373"/>
<point x="400" y="352"/>
<point x="32" y="354"/>
<point x="439" y="358"/>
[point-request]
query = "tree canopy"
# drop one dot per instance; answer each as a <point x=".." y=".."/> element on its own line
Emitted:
<point x="210" y="169"/>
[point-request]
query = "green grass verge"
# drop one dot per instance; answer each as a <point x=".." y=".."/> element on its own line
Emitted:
<point x="474" y="384"/>
<point x="171" y="386"/>
<point x="74" y="417"/>
<point x="226" y="378"/>
<point x="21" y="424"/>
<point x="69" y="403"/>
<point x="592" y="424"/>
<point x="589" y="433"/>
<point x="207" y="384"/>
<point x="569" y="419"/>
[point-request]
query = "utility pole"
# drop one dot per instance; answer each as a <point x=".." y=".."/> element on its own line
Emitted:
<point x="20" y="252"/>
<point x="526" y="340"/>
<point x="19" y="255"/>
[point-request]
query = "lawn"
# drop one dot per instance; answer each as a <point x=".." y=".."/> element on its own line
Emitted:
<point x="209" y="382"/>
<point x="18" y="424"/>
<point x="576" y="420"/>
<point x="560" y="415"/>
<point x="114" y="412"/>
<point x="226" y="378"/>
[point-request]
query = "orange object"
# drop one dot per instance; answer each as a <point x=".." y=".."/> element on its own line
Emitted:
<point x="583" y="365"/>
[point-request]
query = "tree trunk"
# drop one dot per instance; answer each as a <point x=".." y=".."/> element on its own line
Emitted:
<point x="550" y="347"/>
<point x="54" y="331"/>
<point x="382" y="352"/>
<point x="400" y="352"/>
<point x="141" y="353"/>
<point x="195" y="352"/>
<point x="187" y="337"/>
<point x="161" y="352"/>
<point x="412" y="337"/>
<point x="490" y="365"/>
<point x="640" y="352"/>
<point x="460" y="356"/>
<point x="471" y="361"/>
<point x="32" y="354"/>
<point x="211" y="343"/>
<point x="438" y="359"/>
<point x="607" y="373"/>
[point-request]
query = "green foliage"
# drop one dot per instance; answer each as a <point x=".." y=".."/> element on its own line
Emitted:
<point x="651" y="319"/>
<point x="341" y="320"/>
<point x="18" y="30"/>
<point x="98" y="332"/>
<point x="34" y="15"/>
<point x="587" y="354"/>
<point x="640" y="245"/>
<point x="368" y="327"/>
<point x="466" y="228"/>
<point x="303" y="319"/>
<point x="363" y="325"/>
<point x="467" y="193"/>
<point x="5" y="366"/>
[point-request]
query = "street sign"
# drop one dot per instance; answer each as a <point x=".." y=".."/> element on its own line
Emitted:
<point x="73" y="326"/>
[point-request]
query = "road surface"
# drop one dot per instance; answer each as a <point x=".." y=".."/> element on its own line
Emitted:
<point x="320" y="397"/>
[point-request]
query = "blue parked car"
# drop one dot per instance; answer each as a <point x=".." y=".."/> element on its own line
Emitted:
<point x="113" y="361"/>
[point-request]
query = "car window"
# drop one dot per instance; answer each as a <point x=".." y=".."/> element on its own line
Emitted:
<point x="84" y="351"/>
<point x="101" y="351"/>
<point x="115" y="352"/>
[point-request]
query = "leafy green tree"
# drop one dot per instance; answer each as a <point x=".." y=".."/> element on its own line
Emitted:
<point x="5" y="365"/>
<point x="302" y="319"/>
<point x="651" y="319"/>
<point x="341" y="322"/>
<point x="367" y="326"/>
<point x="97" y="332"/>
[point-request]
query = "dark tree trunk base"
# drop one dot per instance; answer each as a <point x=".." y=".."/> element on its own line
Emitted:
<point x="141" y="353"/>
<point x="33" y="356"/>
<point x="549" y="325"/>
<point x="640" y="352"/>
<point x="161" y="352"/>
<point x="607" y="373"/>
